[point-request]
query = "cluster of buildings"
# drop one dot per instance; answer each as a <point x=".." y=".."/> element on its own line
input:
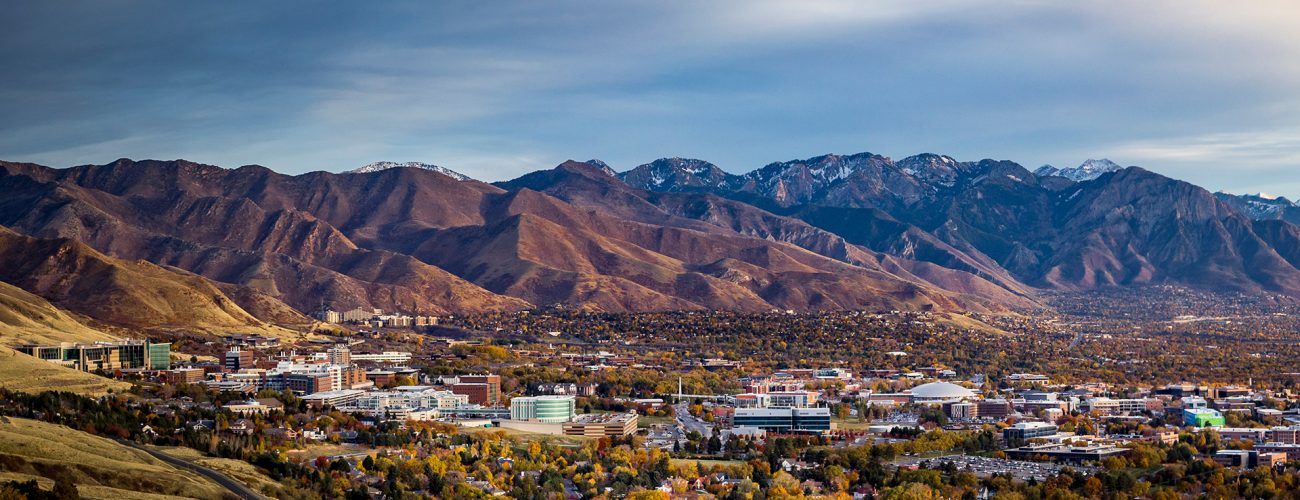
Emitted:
<point x="304" y="374"/>
<point x="375" y="318"/>
<point x="554" y="414"/>
<point x="105" y="356"/>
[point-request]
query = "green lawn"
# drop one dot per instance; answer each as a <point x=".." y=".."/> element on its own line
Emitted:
<point x="706" y="463"/>
<point x="850" y="424"/>
<point x="646" y="421"/>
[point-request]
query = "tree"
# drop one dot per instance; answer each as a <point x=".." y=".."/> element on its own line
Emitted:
<point x="64" y="489"/>
<point x="715" y="444"/>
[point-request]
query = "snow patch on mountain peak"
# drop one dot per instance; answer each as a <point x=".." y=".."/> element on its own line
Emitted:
<point x="380" y="166"/>
<point x="1088" y="170"/>
<point x="604" y="167"/>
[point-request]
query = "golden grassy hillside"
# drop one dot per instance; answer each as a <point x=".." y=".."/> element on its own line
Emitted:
<point x="129" y="294"/>
<point x="238" y="470"/>
<point x="100" y="467"/>
<point x="27" y="318"/>
<point x="20" y="372"/>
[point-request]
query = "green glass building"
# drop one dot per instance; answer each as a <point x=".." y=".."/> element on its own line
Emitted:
<point x="160" y="355"/>
<point x="1202" y="417"/>
<point x="545" y="409"/>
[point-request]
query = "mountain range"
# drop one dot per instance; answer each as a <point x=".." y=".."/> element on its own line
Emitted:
<point x="169" y="244"/>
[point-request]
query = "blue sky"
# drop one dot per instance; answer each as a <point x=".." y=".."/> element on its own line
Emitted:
<point x="1203" y="91"/>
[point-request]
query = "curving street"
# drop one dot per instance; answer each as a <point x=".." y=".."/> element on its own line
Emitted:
<point x="235" y="487"/>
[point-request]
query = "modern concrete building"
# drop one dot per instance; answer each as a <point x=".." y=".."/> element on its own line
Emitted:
<point x="602" y="425"/>
<point x="545" y="409"/>
<point x="1024" y="431"/>
<point x="1066" y="453"/>
<point x="392" y="357"/>
<point x="333" y="398"/>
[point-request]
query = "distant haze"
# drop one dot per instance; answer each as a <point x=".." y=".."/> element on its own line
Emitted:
<point x="1198" y="90"/>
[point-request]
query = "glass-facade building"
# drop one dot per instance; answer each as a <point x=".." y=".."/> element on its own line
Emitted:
<point x="160" y="355"/>
<point x="783" y="419"/>
<point x="105" y="355"/>
<point x="545" y="409"/>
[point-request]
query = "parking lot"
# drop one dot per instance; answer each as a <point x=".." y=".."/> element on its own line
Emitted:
<point x="985" y="467"/>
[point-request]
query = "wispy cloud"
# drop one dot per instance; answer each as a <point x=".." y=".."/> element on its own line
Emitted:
<point x="1196" y="89"/>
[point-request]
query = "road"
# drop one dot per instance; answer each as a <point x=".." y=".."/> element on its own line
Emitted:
<point x="1078" y="338"/>
<point x="235" y="487"/>
<point x="689" y="423"/>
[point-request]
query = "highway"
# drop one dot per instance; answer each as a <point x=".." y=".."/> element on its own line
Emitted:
<point x="237" y="488"/>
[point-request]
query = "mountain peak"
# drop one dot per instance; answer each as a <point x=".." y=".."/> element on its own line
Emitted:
<point x="604" y="167"/>
<point x="1086" y="171"/>
<point x="385" y="165"/>
<point x="676" y="174"/>
<point x="930" y="167"/>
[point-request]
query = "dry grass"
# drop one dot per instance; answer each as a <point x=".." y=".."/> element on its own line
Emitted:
<point x="311" y="451"/>
<point x="34" y="448"/>
<point x="26" y="318"/>
<point x="528" y="437"/>
<point x="20" y="372"/>
<point x="88" y="491"/>
<point x="238" y="470"/>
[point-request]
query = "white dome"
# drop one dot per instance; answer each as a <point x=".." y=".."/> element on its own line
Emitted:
<point x="937" y="391"/>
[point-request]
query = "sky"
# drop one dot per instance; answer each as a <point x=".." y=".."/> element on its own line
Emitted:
<point x="1204" y="91"/>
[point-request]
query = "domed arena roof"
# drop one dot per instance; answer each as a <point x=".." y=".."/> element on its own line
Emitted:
<point x="940" y="391"/>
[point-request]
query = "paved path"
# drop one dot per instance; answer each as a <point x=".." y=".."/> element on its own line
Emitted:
<point x="237" y="488"/>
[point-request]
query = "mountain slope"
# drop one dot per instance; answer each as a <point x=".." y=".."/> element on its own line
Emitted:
<point x="1262" y="206"/>
<point x="29" y="319"/>
<point x="20" y="372"/>
<point x="100" y="467"/>
<point x="578" y="184"/>
<point x="418" y="241"/>
<point x="179" y="214"/>
<point x="857" y="231"/>
<point x="137" y="294"/>
<point x="1091" y="226"/>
